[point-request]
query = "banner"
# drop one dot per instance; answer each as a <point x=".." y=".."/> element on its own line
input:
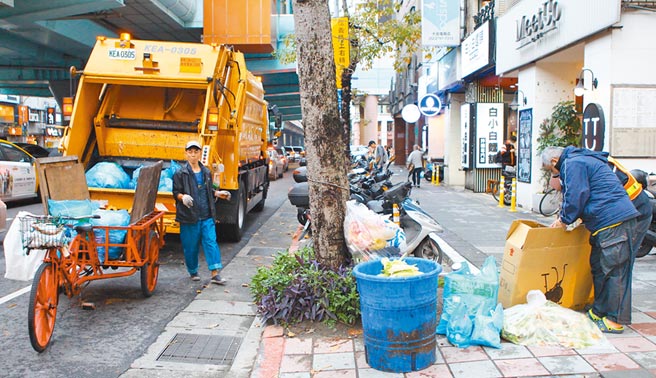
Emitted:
<point x="440" y="23"/>
<point x="524" y="145"/>
<point x="339" y="27"/>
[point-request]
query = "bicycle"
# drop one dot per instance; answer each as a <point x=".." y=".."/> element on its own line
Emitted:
<point x="507" y="188"/>
<point x="551" y="202"/>
<point x="72" y="260"/>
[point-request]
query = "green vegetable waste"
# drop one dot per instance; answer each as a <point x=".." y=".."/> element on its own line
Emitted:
<point x="398" y="268"/>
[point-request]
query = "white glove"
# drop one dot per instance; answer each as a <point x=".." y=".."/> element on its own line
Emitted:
<point x="187" y="200"/>
<point x="223" y="194"/>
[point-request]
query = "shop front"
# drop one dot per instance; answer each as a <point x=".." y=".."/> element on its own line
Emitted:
<point x="596" y="47"/>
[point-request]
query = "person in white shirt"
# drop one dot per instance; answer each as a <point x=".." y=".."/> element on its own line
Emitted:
<point x="416" y="165"/>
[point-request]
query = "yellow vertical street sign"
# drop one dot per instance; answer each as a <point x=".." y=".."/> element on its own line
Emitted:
<point x="339" y="27"/>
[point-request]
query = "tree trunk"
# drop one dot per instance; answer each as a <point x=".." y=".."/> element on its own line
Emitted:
<point x="324" y="134"/>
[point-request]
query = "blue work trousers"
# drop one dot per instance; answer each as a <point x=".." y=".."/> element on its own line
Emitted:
<point x="194" y="234"/>
<point x="611" y="261"/>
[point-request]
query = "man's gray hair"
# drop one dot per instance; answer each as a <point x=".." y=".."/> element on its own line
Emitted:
<point x="550" y="153"/>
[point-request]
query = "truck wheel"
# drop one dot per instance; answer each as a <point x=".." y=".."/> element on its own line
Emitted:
<point x="260" y="206"/>
<point x="233" y="231"/>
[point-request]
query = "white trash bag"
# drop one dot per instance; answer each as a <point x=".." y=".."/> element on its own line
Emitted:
<point x="19" y="265"/>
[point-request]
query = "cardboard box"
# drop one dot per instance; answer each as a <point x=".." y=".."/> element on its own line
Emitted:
<point x="552" y="260"/>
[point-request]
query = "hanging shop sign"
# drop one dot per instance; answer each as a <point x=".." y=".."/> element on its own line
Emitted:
<point x="524" y="153"/>
<point x="34" y="115"/>
<point x="440" y="23"/>
<point x="476" y="50"/>
<point x="533" y="29"/>
<point x="465" y="135"/>
<point x="340" y="33"/>
<point x="594" y="127"/>
<point x="449" y="72"/>
<point x="53" y="131"/>
<point x="489" y="133"/>
<point x="50" y="116"/>
<point x="430" y="105"/>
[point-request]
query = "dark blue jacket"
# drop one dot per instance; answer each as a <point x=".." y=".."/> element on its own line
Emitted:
<point x="184" y="182"/>
<point x="591" y="190"/>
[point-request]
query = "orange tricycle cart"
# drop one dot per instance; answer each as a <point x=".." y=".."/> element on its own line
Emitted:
<point x="70" y="261"/>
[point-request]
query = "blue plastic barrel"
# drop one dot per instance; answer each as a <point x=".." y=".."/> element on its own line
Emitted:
<point x="399" y="316"/>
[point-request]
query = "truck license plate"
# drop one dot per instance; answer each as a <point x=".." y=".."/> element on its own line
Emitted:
<point x="122" y="54"/>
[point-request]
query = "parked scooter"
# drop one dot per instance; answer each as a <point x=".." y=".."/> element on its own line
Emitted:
<point x="649" y="186"/>
<point x="415" y="222"/>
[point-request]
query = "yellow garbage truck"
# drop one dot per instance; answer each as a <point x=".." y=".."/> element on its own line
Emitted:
<point x="141" y="101"/>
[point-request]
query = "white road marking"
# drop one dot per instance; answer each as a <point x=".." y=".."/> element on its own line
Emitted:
<point x="15" y="294"/>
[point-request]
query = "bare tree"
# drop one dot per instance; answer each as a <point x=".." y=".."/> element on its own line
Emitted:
<point x="324" y="134"/>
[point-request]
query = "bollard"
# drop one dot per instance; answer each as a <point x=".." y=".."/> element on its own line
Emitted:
<point x="513" y="196"/>
<point x="501" y="191"/>
<point x="396" y="216"/>
<point x="436" y="174"/>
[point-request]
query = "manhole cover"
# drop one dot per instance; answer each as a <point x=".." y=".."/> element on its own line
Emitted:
<point x="262" y="251"/>
<point x="201" y="349"/>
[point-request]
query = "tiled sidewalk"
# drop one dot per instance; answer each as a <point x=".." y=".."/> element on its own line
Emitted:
<point x="632" y="354"/>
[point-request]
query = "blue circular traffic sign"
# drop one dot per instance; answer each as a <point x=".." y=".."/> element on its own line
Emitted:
<point x="430" y="105"/>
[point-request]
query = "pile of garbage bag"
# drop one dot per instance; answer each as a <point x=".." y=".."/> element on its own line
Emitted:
<point x="113" y="176"/>
<point x="368" y="233"/>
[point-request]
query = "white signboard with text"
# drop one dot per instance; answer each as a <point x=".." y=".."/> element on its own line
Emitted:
<point x="465" y="135"/>
<point x="532" y="29"/>
<point x="489" y="134"/>
<point x="476" y="50"/>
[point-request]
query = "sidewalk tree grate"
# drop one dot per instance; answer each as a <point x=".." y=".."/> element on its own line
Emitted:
<point x="263" y="251"/>
<point x="201" y="349"/>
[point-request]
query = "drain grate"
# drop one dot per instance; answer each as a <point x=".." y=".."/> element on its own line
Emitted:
<point x="201" y="349"/>
<point x="262" y="251"/>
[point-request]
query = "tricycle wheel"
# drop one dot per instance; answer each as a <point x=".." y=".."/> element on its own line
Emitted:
<point x="42" y="310"/>
<point x="150" y="270"/>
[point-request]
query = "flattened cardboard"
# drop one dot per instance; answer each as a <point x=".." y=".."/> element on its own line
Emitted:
<point x="552" y="260"/>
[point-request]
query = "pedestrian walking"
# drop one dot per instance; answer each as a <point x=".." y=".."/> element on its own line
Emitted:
<point x="195" y="211"/>
<point x="593" y="193"/>
<point x="416" y="165"/>
<point x="379" y="155"/>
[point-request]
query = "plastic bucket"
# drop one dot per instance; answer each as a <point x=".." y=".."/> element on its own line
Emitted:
<point x="399" y="316"/>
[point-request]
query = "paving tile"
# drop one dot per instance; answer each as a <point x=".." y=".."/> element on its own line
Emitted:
<point x="358" y="345"/>
<point x="453" y="354"/>
<point x="373" y="373"/>
<point x="609" y="362"/>
<point x="442" y="341"/>
<point x="295" y="362"/>
<point x="333" y="345"/>
<point x="474" y="369"/>
<point x="295" y="375"/>
<point x="521" y="367"/>
<point x="508" y="350"/>
<point x="345" y="373"/>
<point x="361" y="360"/>
<point x="633" y="344"/>
<point x="641" y="317"/>
<point x="652" y="314"/>
<point x="645" y="329"/>
<point x="298" y="346"/>
<point x="637" y="373"/>
<point x="566" y="365"/>
<point x="646" y="359"/>
<point x="272" y="331"/>
<point x="440" y="370"/>
<point x="604" y="346"/>
<point x="543" y="351"/>
<point x="333" y="361"/>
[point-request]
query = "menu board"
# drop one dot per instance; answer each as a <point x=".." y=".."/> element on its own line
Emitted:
<point x="633" y="122"/>
<point x="524" y="145"/>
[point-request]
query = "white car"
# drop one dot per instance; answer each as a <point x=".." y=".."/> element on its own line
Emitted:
<point x="276" y="167"/>
<point x="17" y="173"/>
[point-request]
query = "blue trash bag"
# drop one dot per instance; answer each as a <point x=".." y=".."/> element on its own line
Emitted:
<point x="107" y="175"/>
<point x="165" y="184"/>
<point x="170" y="171"/>
<point x="72" y="208"/>
<point x="478" y="291"/>
<point x="110" y="218"/>
<point x="487" y="327"/>
<point x="459" y="330"/>
<point x="135" y="177"/>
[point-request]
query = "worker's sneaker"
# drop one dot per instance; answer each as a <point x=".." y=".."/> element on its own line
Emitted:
<point x="194" y="277"/>
<point x="218" y="280"/>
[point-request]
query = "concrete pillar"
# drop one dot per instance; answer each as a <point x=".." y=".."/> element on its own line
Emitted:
<point x="454" y="175"/>
<point x="369" y="128"/>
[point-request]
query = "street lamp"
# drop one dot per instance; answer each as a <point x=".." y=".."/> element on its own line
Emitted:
<point x="580" y="86"/>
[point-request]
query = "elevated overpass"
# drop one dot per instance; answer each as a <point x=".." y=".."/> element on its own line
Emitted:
<point x="41" y="39"/>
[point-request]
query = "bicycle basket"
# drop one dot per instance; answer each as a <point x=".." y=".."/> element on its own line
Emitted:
<point x="41" y="233"/>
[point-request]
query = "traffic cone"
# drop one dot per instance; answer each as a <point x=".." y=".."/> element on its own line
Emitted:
<point x="513" y="196"/>
<point x="396" y="216"/>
